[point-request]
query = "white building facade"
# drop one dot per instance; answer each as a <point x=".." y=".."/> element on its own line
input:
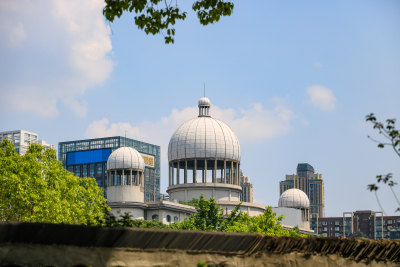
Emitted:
<point x="22" y="139"/>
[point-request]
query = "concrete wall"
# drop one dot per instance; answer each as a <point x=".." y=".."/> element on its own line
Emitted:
<point x="24" y="244"/>
<point x="187" y="192"/>
<point x="125" y="193"/>
<point x="292" y="217"/>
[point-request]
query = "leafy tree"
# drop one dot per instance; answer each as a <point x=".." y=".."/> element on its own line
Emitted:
<point x="392" y="139"/>
<point x="36" y="188"/>
<point x="208" y="217"/>
<point x="194" y="202"/>
<point x="126" y="220"/>
<point x="157" y="16"/>
<point x="266" y="223"/>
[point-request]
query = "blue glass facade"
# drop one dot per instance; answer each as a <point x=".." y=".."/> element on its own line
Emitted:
<point x="88" y="158"/>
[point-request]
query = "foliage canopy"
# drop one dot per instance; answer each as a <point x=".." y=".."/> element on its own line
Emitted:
<point x="36" y="188"/>
<point x="210" y="217"/>
<point x="267" y="224"/>
<point x="157" y="16"/>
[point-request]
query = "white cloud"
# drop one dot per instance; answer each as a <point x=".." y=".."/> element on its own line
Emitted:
<point x="13" y="34"/>
<point x="251" y="125"/>
<point x="102" y="128"/>
<point x="321" y="97"/>
<point x="317" y="64"/>
<point x="78" y="107"/>
<point x="53" y="51"/>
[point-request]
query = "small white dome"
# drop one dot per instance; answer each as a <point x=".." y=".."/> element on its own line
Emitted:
<point x="294" y="198"/>
<point x="204" y="101"/>
<point x="125" y="158"/>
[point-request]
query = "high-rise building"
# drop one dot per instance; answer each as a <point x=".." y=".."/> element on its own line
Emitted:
<point x="88" y="158"/>
<point x="362" y="223"/>
<point x="22" y="139"/>
<point x="312" y="184"/>
<point x="247" y="189"/>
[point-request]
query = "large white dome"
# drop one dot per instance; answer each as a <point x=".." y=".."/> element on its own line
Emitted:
<point x="204" y="137"/>
<point x="125" y="158"/>
<point x="294" y="198"/>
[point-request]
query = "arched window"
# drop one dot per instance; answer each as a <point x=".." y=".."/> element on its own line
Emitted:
<point x="168" y="218"/>
<point x="154" y="217"/>
<point x="176" y="219"/>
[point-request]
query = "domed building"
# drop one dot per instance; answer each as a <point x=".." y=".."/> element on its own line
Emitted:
<point x="294" y="205"/>
<point x="204" y="158"/>
<point x="125" y="191"/>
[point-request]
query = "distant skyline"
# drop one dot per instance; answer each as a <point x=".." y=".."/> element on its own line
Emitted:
<point x="294" y="80"/>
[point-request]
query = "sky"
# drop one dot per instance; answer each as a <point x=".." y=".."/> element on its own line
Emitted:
<point x="294" y="80"/>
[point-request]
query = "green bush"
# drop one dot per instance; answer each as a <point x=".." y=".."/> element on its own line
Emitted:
<point x="126" y="221"/>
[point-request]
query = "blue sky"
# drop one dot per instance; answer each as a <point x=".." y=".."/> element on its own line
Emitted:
<point x="293" y="79"/>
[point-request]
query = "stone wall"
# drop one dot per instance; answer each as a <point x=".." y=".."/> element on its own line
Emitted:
<point x="70" y="245"/>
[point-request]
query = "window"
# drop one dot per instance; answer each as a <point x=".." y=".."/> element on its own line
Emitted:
<point x="168" y="218"/>
<point x="176" y="219"/>
<point x="99" y="170"/>
<point x="323" y="222"/>
<point x="84" y="170"/>
<point x="337" y="222"/>
<point x="337" y="228"/>
<point x="112" y="179"/>
<point x="96" y="144"/>
<point x="78" y="170"/>
<point x="91" y="171"/>
<point x="154" y="217"/>
<point x="84" y="145"/>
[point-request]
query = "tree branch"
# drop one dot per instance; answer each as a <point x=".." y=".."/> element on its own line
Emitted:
<point x="379" y="203"/>
<point x="394" y="194"/>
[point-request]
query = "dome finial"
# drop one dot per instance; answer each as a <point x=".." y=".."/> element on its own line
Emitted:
<point x="204" y="107"/>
